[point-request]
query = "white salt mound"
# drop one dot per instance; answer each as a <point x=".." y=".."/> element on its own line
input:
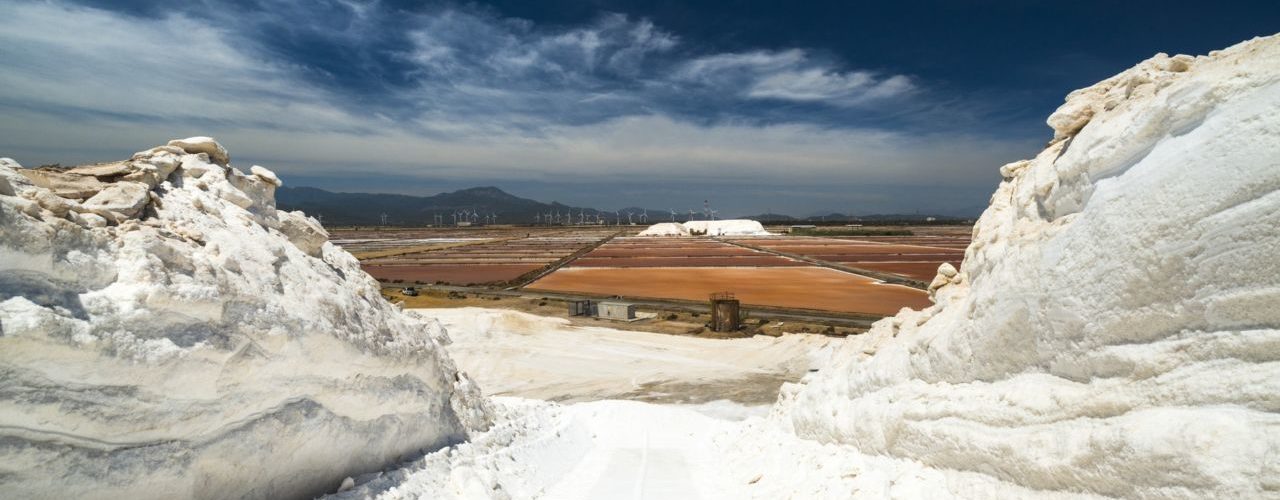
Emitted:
<point x="1115" y="328"/>
<point x="665" y="229"/>
<point x="165" y="332"/>
<point x="732" y="227"/>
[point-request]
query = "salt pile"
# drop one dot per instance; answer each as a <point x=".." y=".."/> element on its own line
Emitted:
<point x="165" y="332"/>
<point x="665" y="229"/>
<point x="1114" y="329"/>
<point x="732" y="227"/>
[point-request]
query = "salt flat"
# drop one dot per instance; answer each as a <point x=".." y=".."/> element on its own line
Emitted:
<point x="512" y="353"/>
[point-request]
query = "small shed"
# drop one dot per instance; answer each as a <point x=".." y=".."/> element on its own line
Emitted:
<point x="582" y="308"/>
<point x="724" y="312"/>
<point x="624" y="311"/>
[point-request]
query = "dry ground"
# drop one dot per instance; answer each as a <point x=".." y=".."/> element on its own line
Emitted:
<point x="666" y="322"/>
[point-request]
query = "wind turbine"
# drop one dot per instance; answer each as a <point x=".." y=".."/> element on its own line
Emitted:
<point x="644" y="216"/>
<point x="629" y="214"/>
<point x="673" y="214"/>
<point x="713" y="214"/>
<point x="384" y="218"/>
<point x="617" y="218"/>
<point x="690" y="214"/>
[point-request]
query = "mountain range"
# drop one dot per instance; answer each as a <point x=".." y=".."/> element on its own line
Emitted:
<point x="489" y="204"/>
<point x="485" y="204"/>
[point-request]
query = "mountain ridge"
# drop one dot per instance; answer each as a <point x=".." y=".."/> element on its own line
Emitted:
<point x="344" y="208"/>
<point x="491" y="204"/>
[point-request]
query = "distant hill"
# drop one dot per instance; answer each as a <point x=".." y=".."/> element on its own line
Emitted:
<point x="402" y="210"/>
<point x="347" y="209"/>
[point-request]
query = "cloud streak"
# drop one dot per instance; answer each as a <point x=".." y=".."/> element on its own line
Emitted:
<point x="790" y="75"/>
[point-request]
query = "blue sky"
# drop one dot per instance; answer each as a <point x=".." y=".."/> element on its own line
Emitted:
<point x="797" y="107"/>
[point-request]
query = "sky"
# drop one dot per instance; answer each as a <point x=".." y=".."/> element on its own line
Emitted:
<point x="791" y="107"/>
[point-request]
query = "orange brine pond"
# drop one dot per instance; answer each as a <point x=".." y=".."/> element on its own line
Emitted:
<point x="901" y="256"/>
<point x="451" y="274"/>
<point x="788" y="287"/>
<point x="922" y="271"/>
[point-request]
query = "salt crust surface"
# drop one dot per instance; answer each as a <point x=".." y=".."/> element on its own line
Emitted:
<point x="1114" y="332"/>
<point x="511" y="353"/>
<point x="165" y="332"/>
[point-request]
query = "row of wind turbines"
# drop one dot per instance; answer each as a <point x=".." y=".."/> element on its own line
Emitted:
<point x="469" y="216"/>
<point x="594" y="218"/>
<point x="465" y="217"/>
<point x="602" y="218"/>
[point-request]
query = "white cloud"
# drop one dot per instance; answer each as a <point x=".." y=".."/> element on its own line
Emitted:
<point x="810" y="85"/>
<point x="790" y="75"/>
<point x="80" y="60"/>
<point x="708" y="67"/>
